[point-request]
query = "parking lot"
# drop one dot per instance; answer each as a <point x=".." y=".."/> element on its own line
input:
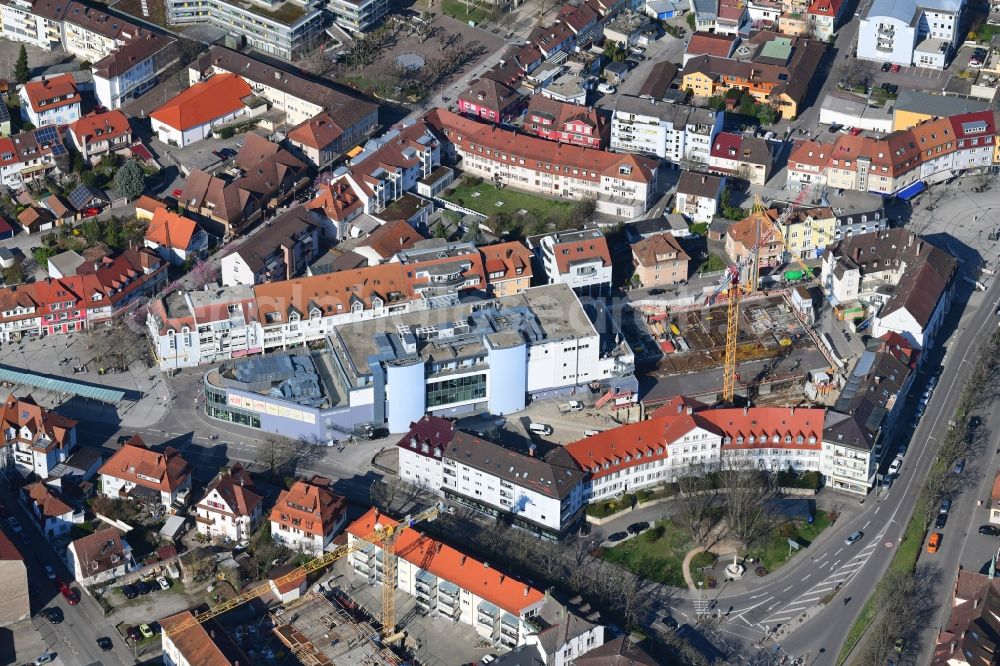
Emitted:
<point x="666" y="48"/>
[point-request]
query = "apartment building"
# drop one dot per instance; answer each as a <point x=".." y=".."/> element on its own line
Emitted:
<point x="675" y="132"/>
<point x="99" y="134"/>
<point x="201" y="644"/>
<point x="279" y="252"/>
<point x="285" y="29"/>
<point x="743" y="156"/>
<point x="51" y="101"/>
<point x="136" y="472"/>
<point x="14" y="578"/>
<point x="580" y="259"/>
<point x="358" y="16"/>
<point x="544" y="496"/>
<point x="685" y="436"/>
<point x="921" y="33"/>
<point x="436" y="267"/>
<point x="32" y="22"/>
<point x="622" y="185"/>
<point x="300" y="98"/>
<point x="35" y="439"/>
<point x="447" y="582"/>
<point x="772" y="68"/>
<point x="922" y="277"/>
<point x="807" y="231"/>
<point x="508" y="267"/>
<point x="698" y="196"/>
<point x="230" y="510"/>
<point x="566" y="123"/>
<point x="307" y="516"/>
<point x="807" y="163"/>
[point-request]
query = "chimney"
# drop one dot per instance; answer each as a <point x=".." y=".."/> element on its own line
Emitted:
<point x="378" y="514"/>
<point x="461" y="562"/>
<point x="486" y="565"/>
<point x="920" y="247"/>
<point x="690" y="409"/>
<point x="526" y="590"/>
<point x="746" y="410"/>
<point x="502" y="578"/>
<point x="531" y="450"/>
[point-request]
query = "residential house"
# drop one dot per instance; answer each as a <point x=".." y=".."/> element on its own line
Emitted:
<point x="199" y="644"/>
<point x="673" y="223"/>
<point x="675" y="132"/>
<point x="14" y="580"/>
<point x="971" y="635"/>
<point x="710" y="43"/>
<point x="580" y="259"/>
<point x="386" y="241"/>
<point x="823" y="17"/>
<point x="262" y="177"/>
<point x="299" y="97"/>
<point x="195" y="112"/>
<point x="279" y="252"/>
<point x="319" y="139"/>
<point x="773" y="69"/>
<point x="162" y="480"/>
<point x="563" y="633"/>
<point x="491" y="101"/>
<point x="544" y="496"/>
<point x="699" y="195"/>
<point x="623" y="185"/>
<point x="99" y="134"/>
<point x="51" y="101"/>
<point x="308" y="516"/>
<point x="35" y="439"/>
<point x="808" y="231"/>
<point x="55" y="518"/>
<point x="230" y="509"/>
<point x="32" y="156"/>
<point x="657" y="85"/>
<point x="174" y="237"/>
<point x="923" y="276"/>
<point x="995" y="500"/>
<point x="99" y="557"/>
<point x="621" y="651"/>
<point x="447" y="581"/>
<point x="566" y="123"/>
<point x="748" y="232"/>
<point x="807" y="163"/>
<point x="508" y="267"/>
<point x="660" y="260"/>
<point x="742" y="156"/>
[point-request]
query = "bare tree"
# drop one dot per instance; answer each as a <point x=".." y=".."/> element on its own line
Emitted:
<point x="696" y="503"/>
<point x="280" y="455"/>
<point x="115" y="347"/>
<point x="747" y="492"/>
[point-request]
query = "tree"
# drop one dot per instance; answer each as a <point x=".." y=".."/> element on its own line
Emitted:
<point x="21" y="70"/>
<point x="695" y="503"/>
<point x="690" y="20"/>
<point x="42" y="255"/>
<point x="115" y="347"/>
<point x="582" y="212"/>
<point x="281" y="455"/>
<point x="130" y="181"/>
<point x="747" y="492"/>
<point x="473" y="234"/>
<point x="440" y="231"/>
<point x="199" y="563"/>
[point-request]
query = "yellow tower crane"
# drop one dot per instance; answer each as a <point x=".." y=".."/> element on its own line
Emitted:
<point x="385" y="535"/>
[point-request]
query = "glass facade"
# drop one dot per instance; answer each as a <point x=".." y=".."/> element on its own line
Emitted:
<point x="457" y="389"/>
<point x="217" y="408"/>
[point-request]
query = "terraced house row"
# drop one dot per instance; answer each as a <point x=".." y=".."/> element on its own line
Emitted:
<point x="903" y="162"/>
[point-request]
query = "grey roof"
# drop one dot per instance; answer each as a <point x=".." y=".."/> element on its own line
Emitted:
<point x="557" y="624"/>
<point x="677" y="115"/>
<point x="699" y="184"/>
<point x="901" y="10"/>
<point x="281" y="231"/>
<point x="66" y="262"/>
<point x="936" y="105"/>
<point x="285" y="376"/>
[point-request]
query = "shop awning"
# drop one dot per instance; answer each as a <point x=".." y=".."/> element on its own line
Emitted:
<point x="911" y="191"/>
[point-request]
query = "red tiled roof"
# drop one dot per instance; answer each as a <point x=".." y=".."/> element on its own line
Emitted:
<point x="16" y="414"/>
<point x="203" y="102"/>
<point x="50" y="504"/>
<point x="445" y="562"/>
<point x="137" y="464"/>
<point x="592" y="164"/>
<point x="812" y="153"/>
<point x="825" y="7"/>
<point x="97" y="127"/>
<point x="507" y="258"/>
<point x="727" y="146"/>
<point x="52" y="93"/>
<point x="576" y="251"/>
<point x="337" y="200"/>
<point x="318" y="132"/>
<point x="706" y="43"/>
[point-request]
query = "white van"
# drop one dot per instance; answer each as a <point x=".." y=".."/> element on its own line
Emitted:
<point x="540" y="428"/>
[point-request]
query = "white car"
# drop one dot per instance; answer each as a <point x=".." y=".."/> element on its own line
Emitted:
<point x="50" y="573"/>
<point x="894" y="467"/>
<point x="606" y="88"/>
<point x="164" y="585"/>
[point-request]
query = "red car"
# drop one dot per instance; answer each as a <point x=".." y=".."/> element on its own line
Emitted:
<point x="894" y="68"/>
<point x="72" y="596"/>
<point x="856" y="131"/>
<point x="91" y="212"/>
<point x="177" y="193"/>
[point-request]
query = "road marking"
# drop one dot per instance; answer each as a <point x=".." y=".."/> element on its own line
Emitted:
<point x="867" y="524"/>
<point x="838" y="552"/>
<point x="806" y="577"/>
<point x="774" y="605"/>
<point x="833" y="566"/>
<point x="788" y="588"/>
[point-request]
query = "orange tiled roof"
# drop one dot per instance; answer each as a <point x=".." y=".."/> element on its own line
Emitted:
<point x="52" y="93"/>
<point x="201" y="647"/>
<point x="170" y="229"/>
<point x="50" y="504"/>
<point x="590" y="248"/>
<point x="452" y="565"/>
<point x="507" y="258"/>
<point x="308" y="507"/>
<point x="17" y="414"/>
<point x="317" y="132"/>
<point x="97" y="127"/>
<point x="203" y="102"/>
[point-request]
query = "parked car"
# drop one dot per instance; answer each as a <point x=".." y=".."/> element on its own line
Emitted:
<point x="836" y="127"/>
<point x="959" y="466"/>
<point x="618" y="536"/>
<point x="132" y="633"/>
<point x="50" y="573"/>
<point x="921" y="409"/>
<point x="856" y="131"/>
<point x="934" y="542"/>
<point x="945" y="505"/>
<point x="635" y="528"/>
<point x="54" y="615"/>
<point x="886" y="66"/>
<point x="71" y="595"/>
<point x="656" y="291"/>
<point x="145" y="631"/>
<point x="894" y="68"/>
<point x="45" y="658"/>
<point x="854" y="538"/>
<point x="142" y="587"/>
<point x="606" y="88"/>
<point x="104" y="643"/>
<point x="890" y="88"/>
<point x="991" y="530"/>
<point x="540" y="428"/>
<point x="941" y="520"/>
<point x="164" y="583"/>
<point x="670" y="622"/>
<point x="129" y="591"/>
<point x="895" y="465"/>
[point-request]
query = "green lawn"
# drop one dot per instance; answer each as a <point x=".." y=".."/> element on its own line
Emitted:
<point x="700" y="228"/>
<point x="774" y="551"/>
<point x="489" y="196"/>
<point x="459" y="10"/>
<point x="714" y="263"/>
<point x="656" y="554"/>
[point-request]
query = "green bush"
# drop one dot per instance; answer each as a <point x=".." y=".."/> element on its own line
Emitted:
<point x="705" y="558"/>
<point x="655" y="533"/>
<point x="227" y="133"/>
